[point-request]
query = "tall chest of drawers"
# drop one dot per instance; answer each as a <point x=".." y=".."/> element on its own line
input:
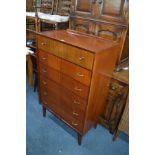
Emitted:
<point x="74" y="71"/>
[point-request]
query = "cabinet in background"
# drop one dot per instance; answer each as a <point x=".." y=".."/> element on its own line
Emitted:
<point x="103" y="18"/>
<point x="116" y="100"/>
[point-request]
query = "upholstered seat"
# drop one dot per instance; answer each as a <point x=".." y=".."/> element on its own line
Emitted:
<point x="30" y="14"/>
<point x="52" y="18"/>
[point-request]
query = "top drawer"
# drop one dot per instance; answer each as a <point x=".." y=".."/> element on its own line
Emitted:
<point x="43" y="43"/>
<point x="78" y="56"/>
<point x="73" y="54"/>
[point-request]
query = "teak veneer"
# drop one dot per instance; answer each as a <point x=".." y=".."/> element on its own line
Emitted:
<point x="74" y="72"/>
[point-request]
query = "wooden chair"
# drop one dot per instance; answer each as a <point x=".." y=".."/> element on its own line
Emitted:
<point x="49" y="14"/>
<point x="31" y="20"/>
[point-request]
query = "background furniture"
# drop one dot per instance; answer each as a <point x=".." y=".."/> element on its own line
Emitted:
<point x="54" y="13"/>
<point x="45" y="15"/>
<point x="31" y="20"/>
<point x="124" y="122"/>
<point x="116" y="100"/>
<point x="74" y="75"/>
<point x="29" y="69"/>
<point x="103" y="18"/>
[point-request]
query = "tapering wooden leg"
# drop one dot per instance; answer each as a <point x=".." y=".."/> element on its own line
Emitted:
<point x="115" y="135"/>
<point x="44" y="111"/>
<point x="35" y="82"/>
<point x="95" y="126"/>
<point x="79" y="138"/>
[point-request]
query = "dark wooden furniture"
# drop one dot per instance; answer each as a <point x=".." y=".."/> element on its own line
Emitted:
<point x="124" y="122"/>
<point x="74" y="72"/>
<point x="53" y="13"/>
<point x="31" y="21"/>
<point x="116" y="100"/>
<point x="103" y="18"/>
<point x="29" y="69"/>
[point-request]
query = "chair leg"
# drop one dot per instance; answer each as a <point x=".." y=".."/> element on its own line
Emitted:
<point x="95" y="126"/>
<point x="35" y="82"/>
<point x="44" y="111"/>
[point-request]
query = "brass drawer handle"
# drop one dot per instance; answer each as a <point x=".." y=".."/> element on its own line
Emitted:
<point x="43" y="58"/>
<point x="43" y="43"/>
<point x="45" y="102"/>
<point x="44" y="71"/>
<point x="44" y="82"/>
<point x="77" y="89"/>
<point x="76" y="102"/>
<point x="81" y="58"/>
<point x="76" y="114"/>
<point x="80" y="75"/>
<point x="75" y="124"/>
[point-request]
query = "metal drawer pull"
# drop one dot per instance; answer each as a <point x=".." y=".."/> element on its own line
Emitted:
<point x="76" y="114"/>
<point x="43" y="58"/>
<point x="81" y="58"/>
<point x="45" y="102"/>
<point x="44" y="71"/>
<point x="76" y="102"/>
<point x="43" y="43"/>
<point x="74" y="124"/>
<point x="44" y="82"/>
<point x="80" y="75"/>
<point x="77" y="89"/>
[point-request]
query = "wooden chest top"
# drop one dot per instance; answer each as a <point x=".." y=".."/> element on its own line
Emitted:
<point x="80" y="40"/>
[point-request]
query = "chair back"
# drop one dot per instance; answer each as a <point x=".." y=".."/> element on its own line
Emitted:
<point x="64" y="7"/>
<point x="55" y="7"/>
<point x="30" y="5"/>
<point x="49" y="6"/>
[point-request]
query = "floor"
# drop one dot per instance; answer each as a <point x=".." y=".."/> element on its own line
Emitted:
<point x="49" y="136"/>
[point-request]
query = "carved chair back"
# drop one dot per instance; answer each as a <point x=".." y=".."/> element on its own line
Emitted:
<point x="64" y="7"/>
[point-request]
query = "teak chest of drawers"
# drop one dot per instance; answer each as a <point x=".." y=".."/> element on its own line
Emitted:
<point x="74" y="71"/>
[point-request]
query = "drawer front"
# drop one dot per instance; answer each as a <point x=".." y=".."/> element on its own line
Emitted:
<point x="54" y="98"/>
<point x="70" y="104"/>
<point x="49" y="99"/>
<point x="63" y="115"/>
<point x="57" y="48"/>
<point x="78" y="56"/>
<point x="75" y="55"/>
<point x="80" y="74"/>
<point x="49" y="73"/>
<point x="74" y="123"/>
<point x="49" y="59"/>
<point x="43" y="43"/>
<point x="50" y="92"/>
<point x="68" y="99"/>
<point x="74" y="86"/>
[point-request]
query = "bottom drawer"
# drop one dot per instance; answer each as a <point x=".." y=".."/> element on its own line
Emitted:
<point x="63" y="115"/>
<point x="55" y="102"/>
